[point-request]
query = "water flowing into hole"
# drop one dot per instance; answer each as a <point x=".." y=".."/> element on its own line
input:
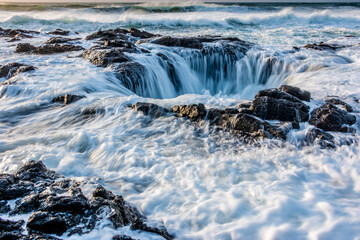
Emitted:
<point x="169" y="73"/>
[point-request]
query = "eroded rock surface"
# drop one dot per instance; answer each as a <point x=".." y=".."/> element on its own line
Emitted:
<point x="58" y="206"/>
<point x="46" y="49"/>
<point x="12" y="69"/>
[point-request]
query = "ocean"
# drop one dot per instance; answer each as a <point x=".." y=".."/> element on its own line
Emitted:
<point x="199" y="183"/>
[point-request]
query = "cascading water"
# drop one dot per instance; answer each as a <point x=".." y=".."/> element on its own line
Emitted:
<point x="169" y="73"/>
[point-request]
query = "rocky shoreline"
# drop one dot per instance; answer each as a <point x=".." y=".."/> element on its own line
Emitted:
<point x="59" y="209"/>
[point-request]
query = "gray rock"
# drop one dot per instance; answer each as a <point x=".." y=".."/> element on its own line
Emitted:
<point x="296" y="92"/>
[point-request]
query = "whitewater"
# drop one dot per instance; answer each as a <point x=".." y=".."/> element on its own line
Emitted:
<point x="200" y="185"/>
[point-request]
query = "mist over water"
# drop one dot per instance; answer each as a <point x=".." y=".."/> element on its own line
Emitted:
<point x="200" y="184"/>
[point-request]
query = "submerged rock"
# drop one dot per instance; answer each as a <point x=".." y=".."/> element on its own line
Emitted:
<point x="54" y="40"/>
<point x="59" y="206"/>
<point x="67" y="99"/>
<point x="322" y="46"/>
<point x="12" y="69"/>
<point x="331" y="118"/>
<point x="17" y="33"/>
<point x="46" y="49"/>
<point x="320" y="137"/>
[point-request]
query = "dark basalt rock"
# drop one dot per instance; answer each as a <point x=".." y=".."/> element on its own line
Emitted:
<point x="12" y="69"/>
<point x="125" y="45"/>
<point x="250" y="124"/>
<point x="16" y="33"/>
<point x="270" y="108"/>
<point x="337" y="101"/>
<point x="331" y="118"/>
<point x="59" y="206"/>
<point x="34" y="171"/>
<point x="59" y="32"/>
<point x="320" y="137"/>
<point x="141" y="34"/>
<point x="296" y="92"/>
<point x="138" y="224"/>
<point x="4" y="207"/>
<point x="104" y="58"/>
<point x="8" y="226"/>
<point x="55" y="40"/>
<point x="193" y="111"/>
<point x="51" y="223"/>
<point x="67" y="99"/>
<point x="117" y="33"/>
<point x="131" y="74"/>
<point x="324" y="46"/>
<point x="150" y="109"/>
<point x="46" y="49"/>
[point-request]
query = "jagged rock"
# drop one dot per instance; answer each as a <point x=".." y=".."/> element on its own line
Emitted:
<point x="12" y="69"/>
<point x="131" y="74"/>
<point x="320" y="137"/>
<point x="331" y="118"/>
<point x="141" y="34"/>
<point x="324" y="46"/>
<point x="8" y="226"/>
<point x="122" y="237"/>
<point x="150" y="109"/>
<point x="277" y="94"/>
<point x="296" y="92"/>
<point x="106" y="57"/>
<point x="34" y="171"/>
<point x="126" y="45"/>
<point x="24" y="48"/>
<point x="250" y="124"/>
<point x="46" y="49"/>
<point x="54" y="40"/>
<point x="279" y="109"/>
<point x="16" y="33"/>
<point x="67" y="99"/>
<point x="193" y="111"/>
<point x="117" y="33"/>
<point x="337" y="101"/>
<point x="59" y="32"/>
<point x="120" y="213"/>
<point x="138" y="224"/>
<point x="51" y="223"/>
<point x="4" y="207"/>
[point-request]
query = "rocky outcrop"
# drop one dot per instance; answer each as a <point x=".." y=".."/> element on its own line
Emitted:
<point x="67" y="99"/>
<point x="117" y="33"/>
<point x="59" y="32"/>
<point x="296" y="92"/>
<point x="193" y="111"/>
<point x="331" y="118"/>
<point x="17" y="34"/>
<point x="12" y="69"/>
<point x="150" y="109"/>
<point x="274" y="104"/>
<point x="322" y="46"/>
<point x="104" y="57"/>
<point x="141" y="34"/>
<point x="58" y="206"/>
<point x="340" y="103"/>
<point x="46" y="49"/>
<point x="55" y="40"/>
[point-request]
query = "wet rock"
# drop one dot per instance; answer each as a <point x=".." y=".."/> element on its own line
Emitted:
<point x="131" y="74"/>
<point x="117" y="33"/>
<point x="193" y="111"/>
<point x="24" y="48"/>
<point x="138" y="224"/>
<point x="46" y="49"/>
<point x="67" y="99"/>
<point x="17" y="33"/>
<point x="120" y="213"/>
<point x="141" y="34"/>
<point x="106" y="57"/>
<point x="76" y="203"/>
<point x="55" y="40"/>
<point x="12" y="69"/>
<point x="250" y="124"/>
<point x="337" y="101"/>
<point x="122" y="237"/>
<point x="11" y="188"/>
<point x="320" y="137"/>
<point x="34" y="171"/>
<point x="296" y="92"/>
<point x="331" y="118"/>
<point x="59" y="32"/>
<point x="125" y="45"/>
<point x="4" y="207"/>
<point x="150" y="109"/>
<point x="8" y="226"/>
<point x="271" y="108"/>
<point x="51" y="223"/>
<point x="324" y="46"/>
